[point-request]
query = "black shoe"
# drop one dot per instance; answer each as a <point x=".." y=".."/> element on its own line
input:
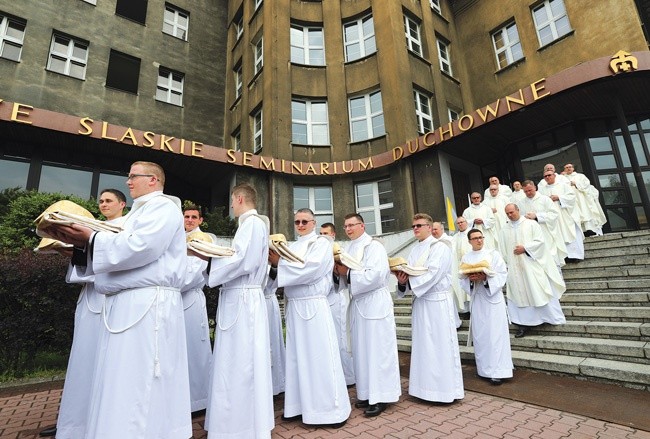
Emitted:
<point x="48" y="431"/>
<point x="362" y="404"/>
<point x="520" y="332"/>
<point x="375" y="409"/>
<point x="292" y="418"/>
<point x="496" y="381"/>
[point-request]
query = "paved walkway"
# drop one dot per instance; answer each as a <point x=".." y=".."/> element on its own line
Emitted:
<point x="24" y="412"/>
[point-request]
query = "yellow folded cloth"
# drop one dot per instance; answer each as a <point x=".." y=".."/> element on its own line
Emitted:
<point x="50" y="246"/>
<point x="198" y="236"/>
<point x="343" y="257"/>
<point x="67" y="212"/>
<point x="479" y="267"/>
<point x="398" y="263"/>
<point x="278" y="243"/>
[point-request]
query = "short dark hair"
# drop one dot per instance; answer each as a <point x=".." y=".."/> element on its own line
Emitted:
<point x="192" y="206"/>
<point x="247" y="191"/>
<point x="469" y="234"/>
<point x="305" y="210"/>
<point x="118" y="193"/>
<point x="354" y="215"/>
<point x="330" y="225"/>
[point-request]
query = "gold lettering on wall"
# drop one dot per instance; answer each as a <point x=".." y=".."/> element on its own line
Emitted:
<point x="20" y="110"/>
<point x="426" y="142"/>
<point x="267" y="165"/>
<point x="164" y="142"/>
<point x="84" y="123"/>
<point x="148" y="139"/>
<point x="489" y="110"/>
<point x="521" y="101"/>
<point x="196" y="149"/>
<point x="129" y="134"/>
<point x="538" y="86"/>
<point x="466" y="126"/>
<point x="105" y="132"/>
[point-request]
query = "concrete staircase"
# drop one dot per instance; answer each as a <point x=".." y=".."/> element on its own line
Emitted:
<point x="607" y="308"/>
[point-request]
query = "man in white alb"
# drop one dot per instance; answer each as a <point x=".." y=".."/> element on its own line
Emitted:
<point x="480" y="216"/>
<point x="504" y="189"/>
<point x="592" y="217"/>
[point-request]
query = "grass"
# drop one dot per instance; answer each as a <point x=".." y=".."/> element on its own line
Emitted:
<point x="47" y="365"/>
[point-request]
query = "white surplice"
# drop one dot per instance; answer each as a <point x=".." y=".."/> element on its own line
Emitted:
<point x="569" y="218"/>
<point x="489" y="319"/>
<point x="315" y="386"/>
<point x="240" y="402"/>
<point x="436" y="373"/>
<point x="547" y="216"/>
<point x="141" y="384"/>
<point x="276" y="337"/>
<point x="372" y="324"/>
<point x="197" y="331"/>
<point x="339" y="301"/>
<point x="459" y="246"/>
<point x="592" y="216"/>
<point x="504" y="190"/>
<point x="488" y="228"/>
<point x="534" y="284"/>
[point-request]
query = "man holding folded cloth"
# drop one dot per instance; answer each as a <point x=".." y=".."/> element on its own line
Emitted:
<point x="140" y="388"/>
<point x="436" y="373"/>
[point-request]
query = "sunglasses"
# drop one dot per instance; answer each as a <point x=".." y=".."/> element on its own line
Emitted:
<point x="417" y="226"/>
<point x="302" y="222"/>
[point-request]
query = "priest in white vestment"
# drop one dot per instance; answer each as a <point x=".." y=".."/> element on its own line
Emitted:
<point x="559" y="178"/>
<point x="436" y="373"/>
<point x="534" y="285"/>
<point x="459" y="246"/>
<point x="517" y="193"/>
<point x="276" y="337"/>
<point x="484" y="277"/>
<point x="197" y="329"/>
<point x="592" y="217"/>
<point x="240" y="402"/>
<point x="339" y="300"/>
<point x="504" y="189"/>
<point x="373" y="332"/>
<point x="497" y="202"/>
<point x="569" y="219"/>
<point x="479" y="216"/>
<point x="540" y="208"/>
<point x="314" y="386"/>
<point x="75" y="399"/>
<point x="140" y="386"/>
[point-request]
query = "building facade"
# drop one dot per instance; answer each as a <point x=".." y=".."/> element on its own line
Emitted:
<point x="381" y="107"/>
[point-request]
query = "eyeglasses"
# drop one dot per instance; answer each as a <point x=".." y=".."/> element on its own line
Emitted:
<point x="548" y="175"/>
<point x="303" y="222"/>
<point x="417" y="226"/>
<point x="476" y="198"/>
<point x="349" y="226"/>
<point x="132" y="176"/>
<point x="478" y="238"/>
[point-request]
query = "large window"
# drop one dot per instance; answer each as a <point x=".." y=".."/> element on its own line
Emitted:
<point x="235" y="139"/>
<point x="256" y="119"/>
<point x="12" y="33"/>
<point x="123" y="72"/>
<point x="309" y="122"/>
<point x="176" y="22"/>
<point x="359" y="38"/>
<point x="318" y="199"/>
<point x="114" y="181"/>
<point x="307" y="45"/>
<point x="13" y="174"/>
<point x="507" y="46"/>
<point x="435" y="5"/>
<point x="366" y="117"/>
<point x="135" y="10"/>
<point x="551" y="21"/>
<point x="258" y="54"/>
<point x="413" y="38"/>
<point x="444" y="57"/>
<point x="170" y="86"/>
<point x="68" y="56"/>
<point x="65" y="180"/>
<point x="375" y="204"/>
<point x="423" y="112"/>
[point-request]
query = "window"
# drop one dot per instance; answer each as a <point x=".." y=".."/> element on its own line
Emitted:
<point x="366" y="117"/>
<point x="506" y="45"/>
<point x="68" y="56"/>
<point x="413" y="40"/>
<point x="239" y="27"/>
<point x="375" y="205"/>
<point x="318" y="199"/>
<point x="443" y="56"/>
<point x="257" y="131"/>
<point x="135" y="10"/>
<point x="65" y="180"/>
<point x="435" y="5"/>
<point x="423" y="112"/>
<point x="453" y="114"/>
<point x="307" y="45"/>
<point x="235" y="140"/>
<point x="257" y="4"/>
<point x="176" y="22"/>
<point x="123" y="72"/>
<point x="359" y="38"/>
<point x="309" y="123"/>
<point x="13" y="173"/>
<point x="170" y="86"/>
<point x="258" y="54"/>
<point x="551" y="21"/>
<point x="12" y="33"/>
<point x="237" y="73"/>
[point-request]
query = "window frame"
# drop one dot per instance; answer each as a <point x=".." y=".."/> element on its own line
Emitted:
<point x="239" y="80"/>
<point x="369" y="116"/>
<point x="68" y="58"/>
<point x="235" y="139"/>
<point x="551" y="21"/>
<point x="453" y="114"/>
<point x="309" y="122"/>
<point x="362" y="39"/>
<point x="174" y="23"/>
<point x="258" y="55"/>
<point x="507" y="44"/>
<point x="6" y="39"/>
<point x="376" y="207"/>
<point x="444" y="57"/>
<point x="435" y="6"/>
<point x="257" y="122"/>
<point x="306" y="47"/>
<point x="420" y="114"/>
<point x="412" y="40"/>
<point x="168" y="86"/>
<point x="319" y="215"/>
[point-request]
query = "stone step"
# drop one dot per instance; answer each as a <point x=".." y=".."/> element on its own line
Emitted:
<point x="625" y="298"/>
<point x="620" y="272"/>
<point x="591" y="261"/>
<point x="616" y="240"/>
<point x="608" y="313"/>
<point x="632" y="375"/>
<point x="604" y="284"/>
<point x="613" y="251"/>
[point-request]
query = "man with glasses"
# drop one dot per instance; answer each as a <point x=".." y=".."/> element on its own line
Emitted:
<point x="480" y="216"/>
<point x="374" y="338"/>
<point x="315" y="387"/>
<point x="339" y="300"/>
<point x="140" y="385"/>
<point x="503" y="189"/>
<point x="436" y="373"/>
<point x="484" y="277"/>
<point x="534" y="285"/>
<point x="459" y="246"/>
